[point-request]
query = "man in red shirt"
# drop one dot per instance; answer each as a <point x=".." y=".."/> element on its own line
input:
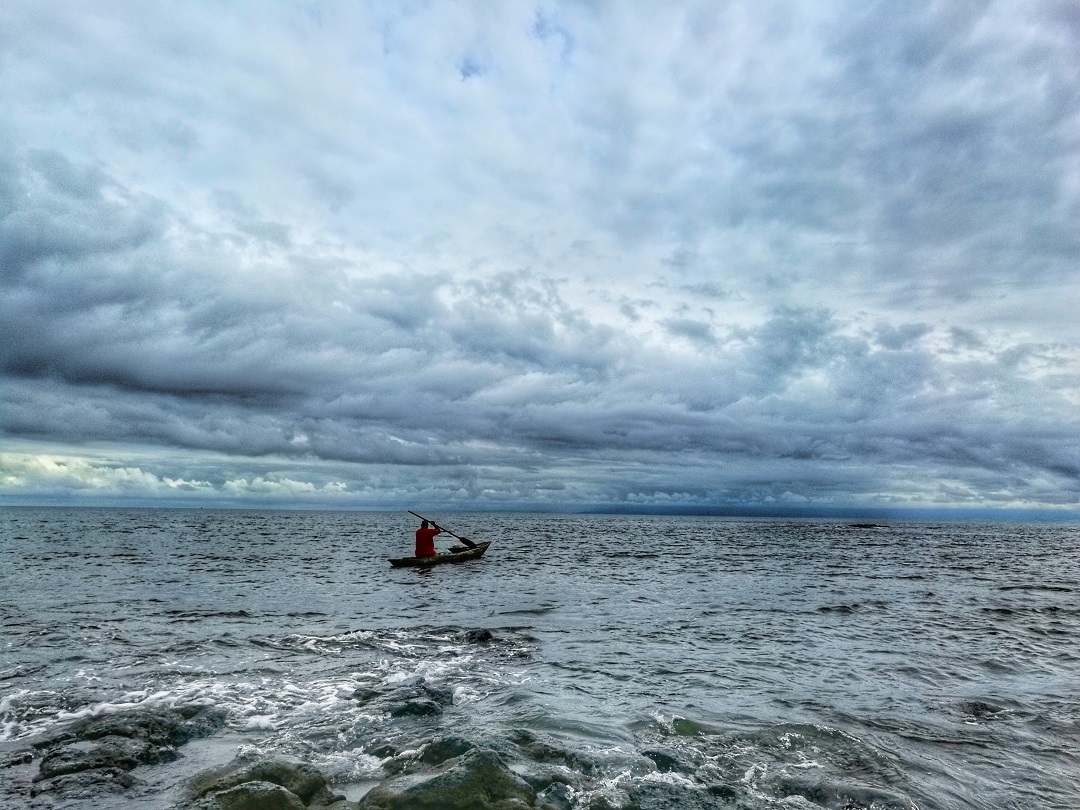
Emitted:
<point x="425" y="540"/>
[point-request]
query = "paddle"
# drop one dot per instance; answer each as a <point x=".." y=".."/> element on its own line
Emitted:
<point x="464" y="540"/>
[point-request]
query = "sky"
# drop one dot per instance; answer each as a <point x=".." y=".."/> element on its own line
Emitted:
<point x="541" y="255"/>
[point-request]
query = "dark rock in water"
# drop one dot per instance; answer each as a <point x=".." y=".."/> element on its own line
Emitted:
<point x="421" y="707"/>
<point x="95" y="755"/>
<point x="258" y="796"/>
<point x="105" y="753"/>
<point x="556" y="797"/>
<point x="419" y="699"/>
<point x="725" y="792"/>
<point x="383" y="751"/>
<point x="434" y="753"/>
<point x="440" y="750"/>
<point x="976" y="708"/>
<point x="613" y="802"/>
<point x="169" y="727"/>
<point x="440" y="694"/>
<point x="85" y="785"/>
<point x="478" y="636"/>
<point x="365" y="695"/>
<point x="19" y="758"/>
<point x="477" y="780"/>
<point x="545" y="752"/>
<point x="661" y="796"/>
<point x="303" y="783"/>
<point x="839" y="793"/>
<point x="665" y="761"/>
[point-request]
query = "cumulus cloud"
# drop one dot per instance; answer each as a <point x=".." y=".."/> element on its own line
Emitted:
<point x="36" y="473"/>
<point x="555" y="254"/>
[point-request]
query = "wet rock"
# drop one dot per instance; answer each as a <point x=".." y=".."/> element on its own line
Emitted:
<point x="611" y="800"/>
<point x="841" y="793"/>
<point x="18" y="758"/>
<point x="162" y="727"/>
<point x="95" y="755"/>
<point x="384" y="751"/>
<point x="440" y="694"/>
<point x="556" y="797"/>
<point x="980" y="710"/>
<point x="725" y="792"/>
<point x="258" y="796"/>
<point x="665" y="761"/>
<point x="477" y="636"/>
<point x="105" y="753"/>
<point x="663" y="796"/>
<point x="416" y="699"/>
<point x="85" y="785"/>
<point x="440" y="750"/>
<point x="364" y="695"/>
<point x="218" y="787"/>
<point x="419" y="707"/>
<point x="544" y="752"/>
<point x="477" y="780"/>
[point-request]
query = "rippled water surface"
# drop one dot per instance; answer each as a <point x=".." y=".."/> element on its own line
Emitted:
<point x="703" y="662"/>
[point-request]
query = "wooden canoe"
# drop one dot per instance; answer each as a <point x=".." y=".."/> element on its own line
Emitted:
<point x="438" y="559"/>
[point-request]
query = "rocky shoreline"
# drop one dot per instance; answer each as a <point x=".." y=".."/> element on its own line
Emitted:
<point x="186" y="758"/>
<point x="109" y="755"/>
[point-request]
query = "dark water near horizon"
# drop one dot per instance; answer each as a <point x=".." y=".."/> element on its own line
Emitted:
<point x="711" y="662"/>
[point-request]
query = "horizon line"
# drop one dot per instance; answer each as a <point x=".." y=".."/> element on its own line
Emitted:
<point x="958" y="513"/>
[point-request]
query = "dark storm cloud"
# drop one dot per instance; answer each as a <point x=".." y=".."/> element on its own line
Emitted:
<point x="564" y="255"/>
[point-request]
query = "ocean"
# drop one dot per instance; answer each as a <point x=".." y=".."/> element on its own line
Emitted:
<point x="602" y="661"/>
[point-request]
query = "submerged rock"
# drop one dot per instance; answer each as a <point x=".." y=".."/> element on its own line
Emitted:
<point x="476" y="780"/>
<point x="478" y="636"/>
<point x="417" y="707"/>
<point x="833" y="792"/>
<point x="980" y="710"/>
<point x="418" y="698"/>
<point x="545" y="752"/>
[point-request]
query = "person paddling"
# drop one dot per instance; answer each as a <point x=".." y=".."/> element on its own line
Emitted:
<point x="425" y="539"/>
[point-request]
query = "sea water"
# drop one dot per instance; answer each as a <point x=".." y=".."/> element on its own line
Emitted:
<point x="703" y="662"/>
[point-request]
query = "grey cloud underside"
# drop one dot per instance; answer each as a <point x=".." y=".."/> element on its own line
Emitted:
<point x="509" y="376"/>
<point x="830" y="264"/>
<point x="496" y="374"/>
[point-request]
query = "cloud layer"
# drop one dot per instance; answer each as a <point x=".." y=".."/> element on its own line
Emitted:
<point x="541" y="255"/>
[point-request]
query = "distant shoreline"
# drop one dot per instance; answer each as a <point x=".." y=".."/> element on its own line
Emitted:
<point x="864" y="515"/>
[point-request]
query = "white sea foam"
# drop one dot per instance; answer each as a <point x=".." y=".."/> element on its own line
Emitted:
<point x="260" y="722"/>
<point x="678" y="779"/>
<point x="128" y="702"/>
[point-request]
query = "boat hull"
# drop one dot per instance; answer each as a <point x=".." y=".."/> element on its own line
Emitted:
<point x="439" y="559"/>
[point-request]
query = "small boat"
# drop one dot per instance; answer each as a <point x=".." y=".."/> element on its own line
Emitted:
<point x="455" y="556"/>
